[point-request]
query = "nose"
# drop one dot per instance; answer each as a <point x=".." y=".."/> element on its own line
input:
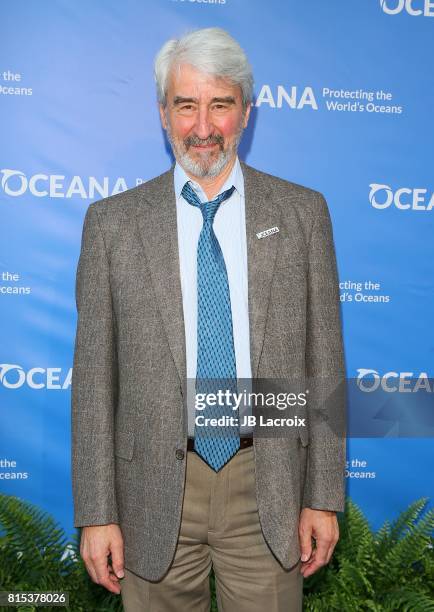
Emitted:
<point x="203" y="125"/>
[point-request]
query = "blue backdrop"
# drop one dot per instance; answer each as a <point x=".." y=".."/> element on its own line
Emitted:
<point x="344" y="96"/>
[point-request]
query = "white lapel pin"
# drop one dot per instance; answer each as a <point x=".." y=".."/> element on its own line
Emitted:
<point x="267" y="232"/>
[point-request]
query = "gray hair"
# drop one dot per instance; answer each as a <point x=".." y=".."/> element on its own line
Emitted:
<point x="209" y="50"/>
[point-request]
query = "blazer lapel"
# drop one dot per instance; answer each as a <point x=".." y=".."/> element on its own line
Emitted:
<point x="261" y="214"/>
<point x="158" y="231"/>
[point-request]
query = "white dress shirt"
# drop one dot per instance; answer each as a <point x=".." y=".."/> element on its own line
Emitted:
<point x="230" y="230"/>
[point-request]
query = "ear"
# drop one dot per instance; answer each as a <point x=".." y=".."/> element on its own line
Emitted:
<point x="247" y="115"/>
<point x="162" y="116"/>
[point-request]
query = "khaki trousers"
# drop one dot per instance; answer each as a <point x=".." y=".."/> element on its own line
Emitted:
<point x="220" y="528"/>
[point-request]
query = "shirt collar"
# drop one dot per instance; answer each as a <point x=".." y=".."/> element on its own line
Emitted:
<point x="235" y="178"/>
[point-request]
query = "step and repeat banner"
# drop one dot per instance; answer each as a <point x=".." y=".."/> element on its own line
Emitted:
<point x="344" y="95"/>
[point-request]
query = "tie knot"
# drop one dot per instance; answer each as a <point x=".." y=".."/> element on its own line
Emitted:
<point x="208" y="209"/>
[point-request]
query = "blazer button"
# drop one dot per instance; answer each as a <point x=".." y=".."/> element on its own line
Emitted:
<point x="179" y="454"/>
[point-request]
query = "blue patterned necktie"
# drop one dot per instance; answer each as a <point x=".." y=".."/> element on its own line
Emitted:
<point x="216" y="365"/>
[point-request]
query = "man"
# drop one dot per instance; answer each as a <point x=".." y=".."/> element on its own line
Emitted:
<point x="179" y="280"/>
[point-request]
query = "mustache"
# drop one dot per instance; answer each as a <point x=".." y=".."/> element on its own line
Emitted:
<point x="212" y="139"/>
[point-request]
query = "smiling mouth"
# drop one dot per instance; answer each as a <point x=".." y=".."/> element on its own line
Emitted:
<point x="204" y="146"/>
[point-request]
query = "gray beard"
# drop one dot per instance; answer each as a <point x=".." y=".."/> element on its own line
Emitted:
<point x="199" y="169"/>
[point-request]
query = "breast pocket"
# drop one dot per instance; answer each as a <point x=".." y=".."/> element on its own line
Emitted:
<point x="292" y="250"/>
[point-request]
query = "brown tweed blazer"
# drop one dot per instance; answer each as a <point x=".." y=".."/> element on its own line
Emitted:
<point x="129" y="429"/>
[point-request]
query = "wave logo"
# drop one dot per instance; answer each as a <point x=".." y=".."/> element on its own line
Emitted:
<point x="404" y="382"/>
<point x="381" y="197"/>
<point x="15" y="183"/>
<point x="13" y="376"/>
<point x="393" y="7"/>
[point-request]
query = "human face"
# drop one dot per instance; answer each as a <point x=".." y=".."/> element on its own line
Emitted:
<point x="204" y="119"/>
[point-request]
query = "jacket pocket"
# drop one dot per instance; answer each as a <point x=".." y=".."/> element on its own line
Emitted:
<point x="124" y="444"/>
<point x="303" y="435"/>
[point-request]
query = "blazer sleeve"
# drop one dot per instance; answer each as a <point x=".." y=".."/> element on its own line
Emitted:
<point x="94" y="383"/>
<point x="325" y="369"/>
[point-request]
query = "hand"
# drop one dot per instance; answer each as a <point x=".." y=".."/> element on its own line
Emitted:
<point x="97" y="542"/>
<point x="323" y="526"/>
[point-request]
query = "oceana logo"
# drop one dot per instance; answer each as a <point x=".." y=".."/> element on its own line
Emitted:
<point x="15" y="183"/>
<point x="293" y="97"/>
<point x="405" y="198"/>
<point x="415" y="8"/>
<point x="13" y="376"/>
<point x="405" y="382"/>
